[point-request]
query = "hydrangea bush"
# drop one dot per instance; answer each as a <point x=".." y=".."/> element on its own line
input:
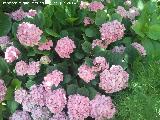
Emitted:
<point x="67" y="62"/>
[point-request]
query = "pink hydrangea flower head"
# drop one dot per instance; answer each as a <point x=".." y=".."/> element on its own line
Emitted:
<point x="32" y="13"/>
<point x="139" y="48"/>
<point x="45" y="60"/>
<point x="132" y="13"/>
<point x="28" y="34"/>
<point x="87" y="21"/>
<point x="121" y="11"/>
<point x="40" y="113"/>
<point x="18" y="15"/>
<point x="37" y="95"/>
<point x="46" y="46"/>
<point x="119" y="49"/>
<point x="4" y="40"/>
<point x="102" y="108"/>
<point x="53" y="78"/>
<point x="65" y="47"/>
<point x="100" y="64"/>
<point x="112" y="31"/>
<point x="20" y="115"/>
<point x="114" y="79"/>
<point x="128" y="2"/>
<point x="11" y="54"/>
<point x="84" y="5"/>
<point x="95" y="6"/>
<point x="59" y="116"/>
<point x="3" y="90"/>
<point x="56" y="100"/>
<point x="78" y="107"/>
<point x="20" y="95"/>
<point x="33" y="68"/>
<point x="100" y="43"/>
<point x="21" y="68"/>
<point x="86" y="73"/>
<point x="28" y="104"/>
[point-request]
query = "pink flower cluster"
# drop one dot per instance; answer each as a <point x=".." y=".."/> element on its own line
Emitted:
<point x="100" y="64"/>
<point x="100" y="43"/>
<point x="45" y="60"/>
<point x="78" y="107"/>
<point x="28" y="34"/>
<point x="19" y="14"/>
<point x="119" y="49"/>
<point x="95" y="6"/>
<point x="84" y="5"/>
<point x="121" y="11"/>
<point x="40" y="113"/>
<point x="20" y="115"/>
<point x="11" y="54"/>
<point x="102" y="108"/>
<point x="65" y="47"/>
<point x="53" y="78"/>
<point x="112" y="31"/>
<point x="114" y="79"/>
<point x="140" y="48"/>
<point x="87" y="21"/>
<point x="132" y="13"/>
<point x="56" y="100"/>
<point x="4" y="41"/>
<point x="86" y="73"/>
<point x="3" y="90"/>
<point x="46" y="46"/>
<point x="22" y="68"/>
<point x="20" y="95"/>
<point x="59" y="116"/>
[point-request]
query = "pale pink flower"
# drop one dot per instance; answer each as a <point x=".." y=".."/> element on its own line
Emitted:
<point x="46" y="46"/>
<point x="45" y="60"/>
<point x="83" y="5"/>
<point x="56" y="100"/>
<point x="33" y="68"/>
<point x="28" y="104"/>
<point x="40" y="113"/>
<point x="112" y="31"/>
<point x="100" y="64"/>
<point x="53" y="78"/>
<point x="65" y="47"/>
<point x="20" y="95"/>
<point x="86" y="73"/>
<point x="121" y="11"/>
<point x="114" y="79"/>
<point x="132" y="13"/>
<point x="3" y="90"/>
<point x="4" y="41"/>
<point x="32" y="13"/>
<point x="128" y="2"/>
<point x="100" y="43"/>
<point x="20" y="115"/>
<point x="87" y="21"/>
<point x="18" y="15"/>
<point x="11" y="54"/>
<point x="102" y="107"/>
<point x="21" y="68"/>
<point x="59" y="116"/>
<point x="119" y="49"/>
<point x="28" y="34"/>
<point x="139" y="48"/>
<point x="78" y="107"/>
<point x="95" y="6"/>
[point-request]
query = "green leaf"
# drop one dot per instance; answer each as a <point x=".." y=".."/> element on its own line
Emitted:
<point x="79" y="55"/>
<point x="43" y="39"/>
<point x="30" y="83"/>
<point x="116" y="16"/>
<point x="5" y="24"/>
<point x="101" y="17"/>
<point x="51" y="32"/>
<point x="12" y="105"/>
<point x="154" y="32"/>
<point x="86" y="46"/>
<point x="14" y="28"/>
<point x="71" y="89"/>
<point x="91" y="32"/>
<point x="98" y="51"/>
<point x="31" y="52"/>
<point x="137" y="27"/>
<point x="88" y="61"/>
<point x="67" y="78"/>
<point x="92" y="92"/>
<point x="16" y="83"/>
<point x="83" y="91"/>
<point x="3" y="67"/>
